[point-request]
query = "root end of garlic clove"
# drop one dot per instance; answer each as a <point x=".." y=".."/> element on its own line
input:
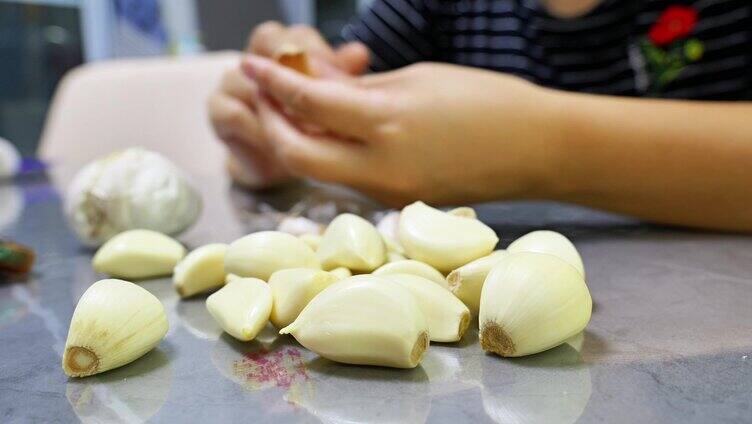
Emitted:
<point x="494" y="339"/>
<point x="454" y="281"/>
<point x="419" y="348"/>
<point x="464" y="324"/>
<point x="80" y="361"/>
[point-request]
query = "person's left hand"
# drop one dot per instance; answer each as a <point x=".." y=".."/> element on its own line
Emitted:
<point x="438" y="133"/>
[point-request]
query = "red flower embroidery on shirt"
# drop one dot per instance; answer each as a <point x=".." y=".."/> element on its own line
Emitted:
<point x="675" y="22"/>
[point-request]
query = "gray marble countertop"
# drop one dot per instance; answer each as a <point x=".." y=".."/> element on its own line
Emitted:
<point x="670" y="339"/>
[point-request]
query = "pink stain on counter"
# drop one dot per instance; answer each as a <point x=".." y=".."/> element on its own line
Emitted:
<point x="263" y="369"/>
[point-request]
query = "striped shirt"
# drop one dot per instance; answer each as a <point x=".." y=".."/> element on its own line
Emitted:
<point x="622" y="47"/>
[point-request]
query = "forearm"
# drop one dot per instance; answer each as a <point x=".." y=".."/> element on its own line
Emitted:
<point x="677" y="162"/>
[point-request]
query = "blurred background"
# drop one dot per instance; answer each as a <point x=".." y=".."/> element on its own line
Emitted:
<point x="40" y="40"/>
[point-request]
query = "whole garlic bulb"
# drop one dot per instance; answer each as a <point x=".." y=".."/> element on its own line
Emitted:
<point x="133" y="188"/>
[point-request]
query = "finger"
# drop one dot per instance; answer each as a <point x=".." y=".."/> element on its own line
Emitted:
<point x="319" y="157"/>
<point x="265" y="38"/>
<point x="353" y="58"/>
<point x="336" y="105"/>
<point x="236" y="84"/>
<point x="232" y="119"/>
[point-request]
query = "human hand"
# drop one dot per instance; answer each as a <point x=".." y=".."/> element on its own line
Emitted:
<point x="439" y="133"/>
<point x="232" y="108"/>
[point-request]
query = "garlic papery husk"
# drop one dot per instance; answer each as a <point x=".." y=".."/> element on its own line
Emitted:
<point x="550" y="242"/>
<point x="312" y="240"/>
<point x="447" y="317"/>
<point x="138" y="254"/>
<point x="133" y="188"/>
<point x="10" y="159"/>
<point x="441" y="240"/>
<point x="415" y="268"/>
<point x="299" y="225"/>
<point x="201" y="270"/>
<point x="352" y="242"/>
<point x="259" y="255"/>
<point x="292" y="289"/>
<point x="532" y="302"/>
<point x="466" y="282"/>
<point x="341" y="273"/>
<point x="464" y="212"/>
<point x="115" y="322"/>
<point x="242" y="307"/>
<point x="364" y="320"/>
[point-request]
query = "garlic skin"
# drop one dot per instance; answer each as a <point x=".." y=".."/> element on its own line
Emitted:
<point x="447" y="317"/>
<point x="442" y="240"/>
<point x="130" y="189"/>
<point x="352" y="242"/>
<point x="10" y="159"/>
<point x="138" y="254"/>
<point x="466" y="282"/>
<point x="413" y="267"/>
<point x="464" y="212"/>
<point x="261" y="254"/>
<point x="364" y="320"/>
<point x="550" y="242"/>
<point x="201" y="270"/>
<point x="341" y="273"/>
<point x="242" y="307"/>
<point x="299" y="225"/>
<point x="532" y="302"/>
<point x="115" y="322"/>
<point x="292" y="289"/>
<point x="312" y="240"/>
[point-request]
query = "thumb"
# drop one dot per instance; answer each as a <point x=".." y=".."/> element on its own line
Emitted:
<point x="353" y="58"/>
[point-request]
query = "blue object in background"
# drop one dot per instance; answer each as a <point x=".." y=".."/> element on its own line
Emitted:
<point x="144" y="15"/>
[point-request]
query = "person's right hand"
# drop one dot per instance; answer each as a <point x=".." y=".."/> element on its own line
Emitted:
<point x="232" y="107"/>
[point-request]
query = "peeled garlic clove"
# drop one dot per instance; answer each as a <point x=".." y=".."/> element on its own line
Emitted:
<point x="441" y="240"/>
<point x="312" y="240"/>
<point x="201" y="270"/>
<point x="447" y="317"/>
<point x="352" y="242"/>
<point x="292" y="289"/>
<point x="259" y="255"/>
<point x="242" y="307"/>
<point x="389" y="224"/>
<point x="131" y="189"/>
<point x="414" y="268"/>
<point x="532" y="302"/>
<point x="464" y="212"/>
<point x="394" y="257"/>
<point x="231" y="277"/>
<point x="115" y="322"/>
<point x="138" y="254"/>
<point x="299" y="225"/>
<point x="364" y="320"/>
<point x="341" y="273"/>
<point x="552" y="243"/>
<point x="466" y="282"/>
<point x="10" y="159"/>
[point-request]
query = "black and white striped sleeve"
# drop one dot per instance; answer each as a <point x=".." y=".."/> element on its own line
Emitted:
<point x="398" y="33"/>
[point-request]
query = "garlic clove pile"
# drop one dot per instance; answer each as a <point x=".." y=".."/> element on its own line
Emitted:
<point x="464" y="211"/>
<point x="201" y="270"/>
<point x="312" y="240"/>
<point x="442" y="240"/>
<point x="364" y="320"/>
<point x="261" y="254"/>
<point x="138" y="254"/>
<point x="130" y="189"/>
<point x="466" y="282"/>
<point x="414" y="268"/>
<point x="231" y="277"/>
<point x="447" y="317"/>
<point x="352" y="242"/>
<point x="394" y="257"/>
<point x="341" y="273"/>
<point x="115" y="322"/>
<point x="550" y="242"/>
<point x="292" y="289"/>
<point x="532" y="302"/>
<point x="242" y="307"/>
